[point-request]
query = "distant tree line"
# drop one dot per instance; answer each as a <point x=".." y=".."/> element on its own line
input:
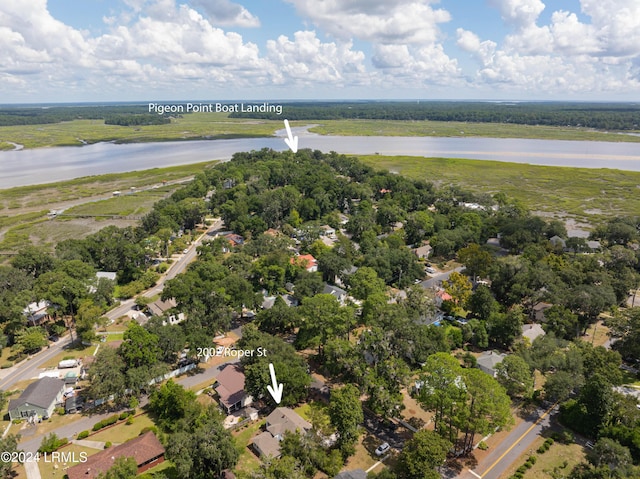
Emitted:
<point x="608" y="116"/>
<point x="39" y="115"/>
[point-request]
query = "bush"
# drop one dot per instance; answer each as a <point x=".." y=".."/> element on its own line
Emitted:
<point x="97" y="426"/>
<point x="522" y="470"/>
<point x="123" y="415"/>
<point x="16" y="421"/>
<point x="6" y="365"/>
<point x="60" y="411"/>
<point x="146" y="429"/>
<point x="51" y="443"/>
<point x="532" y="459"/>
<point x="110" y="420"/>
<point x="483" y="446"/>
<point x="107" y="444"/>
<point x="129" y="421"/>
<point x="83" y="434"/>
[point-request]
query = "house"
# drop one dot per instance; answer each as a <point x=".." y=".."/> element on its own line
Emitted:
<point x="106" y="275"/>
<point x="281" y="420"/>
<point x="423" y="252"/>
<point x="355" y="474"/>
<point x="146" y="450"/>
<point x="538" y="311"/>
<point x="306" y="261"/>
<point x="326" y="230"/>
<point x="230" y="388"/>
<point x="441" y="297"/>
<point x="594" y="245"/>
<point x="532" y="331"/>
<point x="36" y="313"/>
<point x="38" y="400"/>
<point x="234" y="239"/>
<point x="159" y="308"/>
<point x="338" y="293"/>
<point x="488" y="361"/>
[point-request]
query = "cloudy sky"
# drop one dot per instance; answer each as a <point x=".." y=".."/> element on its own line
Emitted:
<point x="163" y="50"/>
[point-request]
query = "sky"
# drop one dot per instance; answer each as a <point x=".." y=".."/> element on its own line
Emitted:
<point x="172" y="50"/>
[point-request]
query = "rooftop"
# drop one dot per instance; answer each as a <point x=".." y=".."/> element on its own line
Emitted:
<point x="40" y="393"/>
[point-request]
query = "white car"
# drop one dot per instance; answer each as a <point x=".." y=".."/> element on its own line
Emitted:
<point x="185" y="251"/>
<point x="383" y="449"/>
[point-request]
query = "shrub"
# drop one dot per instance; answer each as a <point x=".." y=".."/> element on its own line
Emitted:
<point x="123" y="415"/>
<point x="6" y="365"/>
<point x="483" y="446"/>
<point x="528" y="465"/>
<point x="97" y="426"/>
<point x="83" y="434"/>
<point x="17" y="421"/>
<point x="110" y="420"/>
<point x="60" y="411"/>
<point x="51" y="443"/>
<point x="532" y="459"/>
<point x="146" y="429"/>
<point x="521" y="469"/>
<point x="107" y="444"/>
<point x="129" y="421"/>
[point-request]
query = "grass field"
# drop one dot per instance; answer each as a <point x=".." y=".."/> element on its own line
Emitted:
<point x="462" y="129"/>
<point x="248" y="461"/>
<point x="195" y="126"/>
<point x="583" y="193"/>
<point x="557" y="462"/>
<point x="23" y="219"/>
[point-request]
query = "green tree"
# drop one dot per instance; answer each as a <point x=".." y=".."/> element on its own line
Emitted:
<point x="8" y="444"/>
<point x="31" y="340"/>
<point x="345" y="411"/>
<point x="33" y="260"/>
<point x="425" y="451"/>
<point x="171" y="403"/>
<point x="140" y="347"/>
<point x="459" y="287"/>
<point x="323" y="318"/>
<point x="516" y="376"/>
<point x="476" y="260"/>
<point x="365" y="282"/>
<point x="123" y="468"/>
<point x="106" y="376"/>
<point x="203" y="448"/>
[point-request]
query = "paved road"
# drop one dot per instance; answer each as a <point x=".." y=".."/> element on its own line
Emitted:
<point x="516" y="443"/>
<point x="438" y="278"/>
<point x="177" y="267"/>
<point x="30" y="368"/>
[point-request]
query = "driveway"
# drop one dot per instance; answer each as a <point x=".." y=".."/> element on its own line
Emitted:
<point x="438" y="278"/>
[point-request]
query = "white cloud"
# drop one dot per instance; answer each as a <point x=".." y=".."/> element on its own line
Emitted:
<point x="377" y="21"/>
<point x="519" y="13"/>
<point x="306" y="59"/>
<point x="226" y="13"/>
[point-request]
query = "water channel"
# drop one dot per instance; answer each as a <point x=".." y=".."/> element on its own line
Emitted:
<point x="45" y="165"/>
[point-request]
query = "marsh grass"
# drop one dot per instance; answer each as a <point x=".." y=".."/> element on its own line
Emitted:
<point x="587" y="194"/>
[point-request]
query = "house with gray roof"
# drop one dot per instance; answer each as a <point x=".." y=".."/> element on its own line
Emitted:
<point x="38" y="400"/>
<point x="281" y="420"/>
<point x="488" y="361"/>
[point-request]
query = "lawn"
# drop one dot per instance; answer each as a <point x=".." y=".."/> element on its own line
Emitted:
<point x="556" y="462"/>
<point x="583" y="193"/>
<point x="51" y="469"/>
<point x="364" y="458"/>
<point x="248" y="461"/>
<point x="75" y="352"/>
<point x="122" y="432"/>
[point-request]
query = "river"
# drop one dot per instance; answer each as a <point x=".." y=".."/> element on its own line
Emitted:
<point x="45" y="165"/>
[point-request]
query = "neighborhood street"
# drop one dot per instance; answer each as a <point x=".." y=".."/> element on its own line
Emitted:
<point x="516" y="443"/>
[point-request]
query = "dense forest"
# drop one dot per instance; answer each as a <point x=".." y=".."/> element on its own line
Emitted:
<point x="605" y="116"/>
<point x="608" y="116"/>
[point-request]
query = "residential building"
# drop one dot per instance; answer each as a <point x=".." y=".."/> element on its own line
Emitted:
<point x="539" y="309"/>
<point x="282" y="419"/>
<point x="37" y="313"/>
<point x="230" y="388"/>
<point x="338" y="293"/>
<point x="306" y="261"/>
<point x="146" y="450"/>
<point x="532" y="331"/>
<point x="423" y="252"/>
<point x="38" y="400"/>
<point x="488" y="361"/>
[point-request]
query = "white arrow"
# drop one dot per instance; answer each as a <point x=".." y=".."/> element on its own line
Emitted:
<point x="292" y="141"/>
<point x="276" y="390"/>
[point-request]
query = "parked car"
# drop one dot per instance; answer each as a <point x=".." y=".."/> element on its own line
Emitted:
<point x="383" y="449"/>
